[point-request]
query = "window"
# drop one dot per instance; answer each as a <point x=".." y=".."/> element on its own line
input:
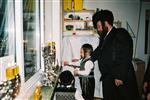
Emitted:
<point x="7" y="28"/>
<point x="31" y="37"/>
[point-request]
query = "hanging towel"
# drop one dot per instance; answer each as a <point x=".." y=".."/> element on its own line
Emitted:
<point x="66" y="51"/>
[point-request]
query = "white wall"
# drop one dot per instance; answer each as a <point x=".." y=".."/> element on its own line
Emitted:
<point x="123" y="10"/>
<point x="48" y="20"/>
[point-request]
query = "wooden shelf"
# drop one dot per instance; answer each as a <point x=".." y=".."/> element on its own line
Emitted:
<point x="78" y="30"/>
<point x="79" y="11"/>
<point x="85" y="17"/>
<point x="80" y="34"/>
<point x="65" y="20"/>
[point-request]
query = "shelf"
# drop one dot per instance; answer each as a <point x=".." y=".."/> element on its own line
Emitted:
<point x="79" y="31"/>
<point x="79" y="11"/>
<point x="80" y="35"/>
<point x="65" y="20"/>
<point x="81" y="21"/>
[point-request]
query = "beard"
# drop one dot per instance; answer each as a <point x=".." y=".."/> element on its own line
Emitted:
<point x="104" y="31"/>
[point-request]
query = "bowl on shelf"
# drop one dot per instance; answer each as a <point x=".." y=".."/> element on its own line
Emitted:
<point x="69" y="27"/>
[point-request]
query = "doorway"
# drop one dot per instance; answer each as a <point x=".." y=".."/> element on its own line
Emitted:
<point x="147" y="33"/>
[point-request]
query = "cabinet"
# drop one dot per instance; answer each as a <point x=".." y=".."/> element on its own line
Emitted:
<point x="78" y="22"/>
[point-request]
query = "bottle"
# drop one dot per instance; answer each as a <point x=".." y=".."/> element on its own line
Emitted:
<point x="1" y="89"/>
<point x="1" y="85"/>
<point x="4" y="90"/>
<point x="37" y="92"/>
<point x="50" y="48"/>
<point x="57" y="67"/>
<point x="17" y="75"/>
<point x="10" y="82"/>
<point x="16" y="88"/>
<point x="54" y="52"/>
<point x="97" y="9"/>
<point x="73" y="4"/>
<point x="9" y="72"/>
<point x="10" y="93"/>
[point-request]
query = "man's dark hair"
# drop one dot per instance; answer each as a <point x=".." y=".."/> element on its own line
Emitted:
<point x="87" y="48"/>
<point x="103" y="15"/>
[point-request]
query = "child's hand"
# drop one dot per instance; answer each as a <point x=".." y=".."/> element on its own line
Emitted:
<point x="66" y="63"/>
<point x="75" y="72"/>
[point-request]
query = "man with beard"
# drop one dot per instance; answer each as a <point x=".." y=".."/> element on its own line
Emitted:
<point x="114" y="55"/>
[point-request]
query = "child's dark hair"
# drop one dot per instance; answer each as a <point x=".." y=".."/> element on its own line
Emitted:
<point x="66" y="78"/>
<point x="87" y="48"/>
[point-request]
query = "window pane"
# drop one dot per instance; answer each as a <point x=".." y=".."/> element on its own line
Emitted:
<point x="7" y="27"/>
<point x="30" y="36"/>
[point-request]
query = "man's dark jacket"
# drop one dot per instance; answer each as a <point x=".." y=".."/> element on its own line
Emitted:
<point x="114" y="56"/>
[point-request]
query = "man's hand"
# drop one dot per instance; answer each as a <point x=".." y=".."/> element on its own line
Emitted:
<point x="145" y="86"/>
<point x="118" y="82"/>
